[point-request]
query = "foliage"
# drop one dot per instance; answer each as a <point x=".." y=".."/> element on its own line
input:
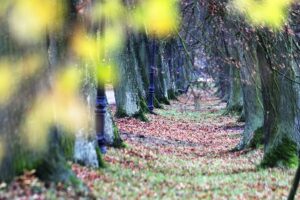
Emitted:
<point x="69" y="22"/>
<point x="272" y="13"/>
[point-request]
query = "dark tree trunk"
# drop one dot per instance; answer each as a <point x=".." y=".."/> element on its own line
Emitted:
<point x="251" y="88"/>
<point x="280" y="101"/>
<point x="162" y="75"/>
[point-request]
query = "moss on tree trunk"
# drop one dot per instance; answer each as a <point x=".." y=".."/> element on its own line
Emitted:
<point x="282" y="154"/>
<point x="280" y="101"/>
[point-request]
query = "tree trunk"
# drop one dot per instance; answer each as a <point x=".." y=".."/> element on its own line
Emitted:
<point x="251" y="88"/>
<point x="50" y="161"/>
<point x="280" y="101"/>
<point x="162" y="75"/>
<point x="169" y="56"/>
<point x="128" y="94"/>
<point x="235" y="101"/>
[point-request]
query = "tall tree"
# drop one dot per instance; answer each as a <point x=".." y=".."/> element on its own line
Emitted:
<point x="279" y="98"/>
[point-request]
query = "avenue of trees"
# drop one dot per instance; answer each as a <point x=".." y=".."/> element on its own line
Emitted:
<point x="255" y="70"/>
<point x="50" y="77"/>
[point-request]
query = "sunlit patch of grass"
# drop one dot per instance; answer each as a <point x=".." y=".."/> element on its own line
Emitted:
<point x="195" y="116"/>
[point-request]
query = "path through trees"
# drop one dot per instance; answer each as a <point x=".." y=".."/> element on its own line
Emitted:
<point x="177" y="154"/>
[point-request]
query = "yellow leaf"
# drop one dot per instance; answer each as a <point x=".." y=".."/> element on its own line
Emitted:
<point x="68" y="81"/>
<point x="104" y="73"/>
<point x="161" y="17"/>
<point x="271" y="13"/>
<point x="86" y="47"/>
<point x="7" y="86"/>
<point x="30" y="19"/>
<point x="109" y="10"/>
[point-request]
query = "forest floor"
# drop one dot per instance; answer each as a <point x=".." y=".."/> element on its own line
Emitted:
<point x="179" y="154"/>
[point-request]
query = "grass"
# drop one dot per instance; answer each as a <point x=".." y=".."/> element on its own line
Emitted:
<point x="158" y="172"/>
<point x="171" y="177"/>
<point x="189" y="115"/>
<point x="176" y="155"/>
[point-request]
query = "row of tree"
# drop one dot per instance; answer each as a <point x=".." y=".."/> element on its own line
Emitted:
<point x="256" y="70"/>
<point x="34" y="134"/>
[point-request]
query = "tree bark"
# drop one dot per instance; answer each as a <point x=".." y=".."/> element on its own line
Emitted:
<point x="251" y="88"/>
<point x="128" y="91"/>
<point x="51" y="162"/>
<point x="235" y="101"/>
<point x="280" y="101"/>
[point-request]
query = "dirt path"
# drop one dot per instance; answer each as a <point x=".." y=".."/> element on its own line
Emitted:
<point x="182" y="131"/>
